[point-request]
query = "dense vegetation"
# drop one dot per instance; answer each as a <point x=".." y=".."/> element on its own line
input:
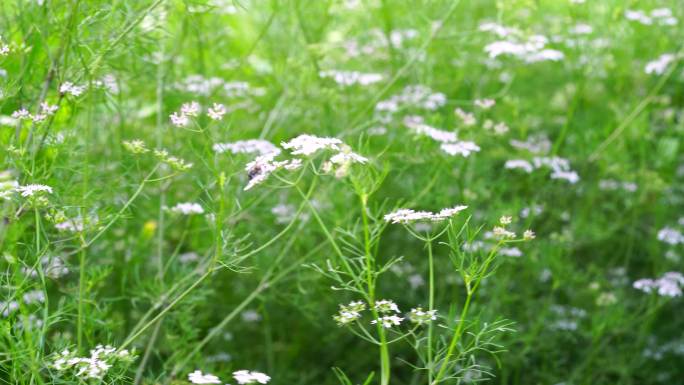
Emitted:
<point x="355" y="192"/>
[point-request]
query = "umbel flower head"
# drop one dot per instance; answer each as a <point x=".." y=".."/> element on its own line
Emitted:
<point x="420" y="317"/>
<point x="197" y="377"/>
<point x="388" y="321"/>
<point x="250" y="377"/>
<point x="408" y="215"/>
<point x="349" y="313"/>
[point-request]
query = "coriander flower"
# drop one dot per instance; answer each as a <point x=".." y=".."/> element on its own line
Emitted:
<point x="529" y="235"/>
<point x="21" y="114"/>
<point x="250" y="377"/>
<point x="310" y="144"/>
<point x="405" y="216"/>
<point x="190" y="109"/>
<point x="386" y="306"/>
<point x="187" y="208"/>
<point x="420" y="317"/>
<point x="485" y="104"/>
<point x="179" y="120"/>
<point x="31" y="189"/>
<point x="250" y="146"/>
<point x="217" y="111"/>
<point x="388" y="321"/>
<point x="463" y="148"/>
<point x="501" y="232"/>
<point x="70" y="88"/>
<point x="197" y="377"/>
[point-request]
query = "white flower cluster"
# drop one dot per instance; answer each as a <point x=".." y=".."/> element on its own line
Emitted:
<point x="387" y="314"/>
<point x="408" y="215"/>
<point x="241" y="376"/>
<point x="530" y="49"/>
<point x="306" y="145"/>
<point x="670" y="236"/>
<point x="250" y="377"/>
<point x="260" y="168"/>
<point x="420" y="316"/>
<point x="33" y="189"/>
<point x="309" y="144"/>
<point x="193" y="109"/>
<point x="350" y="78"/>
<point x="101" y="359"/>
<point x="349" y="313"/>
<point x="668" y="285"/>
<point x="187" y="208"/>
<point x="45" y="110"/>
<point x="71" y="89"/>
<point x="197" y="377"/>
<point x="560" y="167"/>
<point x="448" y="140"/>
<point x="660" y="16"/>
<point x="250" y="146"/>
<point x="659" y="65"/>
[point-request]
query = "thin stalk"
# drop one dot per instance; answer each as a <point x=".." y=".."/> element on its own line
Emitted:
<point x="385" y="365"/>
<point x="459" y="329"/>
<point x="431" y="304"/>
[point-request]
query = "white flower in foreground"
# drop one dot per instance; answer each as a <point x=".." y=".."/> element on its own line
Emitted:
<point x="187" y="208"/>
<point x="659" y="65"/>
<point x="310" y="144"/>
<point x="388" y="321"/>
<point x="501" y="232"/>
<point x="190" y="109"/>
<point x="250" y="146"/>
<point x="669" y="285"/>
<point x="260" y="168"/>
<point x="101" y="359"/>
<point x="408" y="215"/>
<point x="670" y="236"/>
<point x="386" y="306"/>
<point x="197" y="377"/>
<point x="31" y="189"/>
<point x="420" y="317"/>
<point x="71" y="88"/>
<point x="179" y="120"/>
<point x="462" y="148"/>
<point x="249" y="377"/>
<point x="529" y="235"/>
<point x="217" y="111"/>
<point x="21" y="114"/>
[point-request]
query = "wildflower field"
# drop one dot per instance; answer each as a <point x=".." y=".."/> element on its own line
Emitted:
<point x="348" y="192"/>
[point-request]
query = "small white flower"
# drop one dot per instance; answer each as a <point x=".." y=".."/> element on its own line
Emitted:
<point x="190" y="109"/>
<point x="217" y="111"/>
<point x="179" y="120"/>
<point x="250" y="377"/>
<point x="70" y="88"/>
<point x="310" y="144"/>
<point x="187" y="208"/>
<point x="31" y="189"/>
<point x="197" y="377"/>
<point x="386" y="306"/>
<point x="462" y="148"/>
<point x="21" y="114"/>
<point x="388" y="321"/>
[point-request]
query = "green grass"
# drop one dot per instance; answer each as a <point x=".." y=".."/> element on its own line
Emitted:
<point x="254" y="280"/>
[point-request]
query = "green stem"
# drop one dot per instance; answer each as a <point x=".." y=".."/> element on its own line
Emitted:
<point x="431" y="304"/>
<point x="385" y="366"/>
